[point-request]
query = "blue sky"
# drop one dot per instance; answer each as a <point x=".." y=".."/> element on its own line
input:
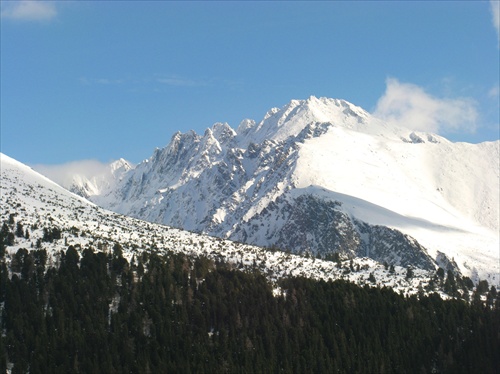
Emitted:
<point x="104" y="80"/>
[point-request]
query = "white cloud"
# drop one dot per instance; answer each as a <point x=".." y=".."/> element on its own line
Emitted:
<point x="410" y="106"/>
<point x="29" y="10"/>
<point x="495" y="12"/>
<point x="64" y="174"/>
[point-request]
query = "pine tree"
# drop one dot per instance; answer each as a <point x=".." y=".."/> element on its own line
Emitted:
<point x="371" y="278"/>
<point x="409" y="273"/>
<point x="482" y="287"/>
<point x="20" y="230"/>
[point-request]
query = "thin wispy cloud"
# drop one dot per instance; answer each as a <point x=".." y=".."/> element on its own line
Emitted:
<point x="28" y="10"/>
<point x="168" y="81"/>
<point x="410" y="106"/>
<point x="495" y="12"/>
<point x="102" y="81"/>
<point x="109" y="81"/>
<point x="180" y="82"/>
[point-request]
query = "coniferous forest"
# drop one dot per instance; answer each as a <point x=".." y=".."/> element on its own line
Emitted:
<point x="97" y="313"/>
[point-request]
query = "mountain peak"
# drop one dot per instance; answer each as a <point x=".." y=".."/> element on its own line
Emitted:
<point x="121" y="165"/>
<point x="223" y="132"/>
<point x="245" y="126"/>
<point x="291" y="119"/>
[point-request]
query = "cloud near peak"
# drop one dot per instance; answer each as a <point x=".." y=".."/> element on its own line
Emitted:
<point x="65" y="173"/>
<point x="410" y="106"/>
<point x="29" y="10"/>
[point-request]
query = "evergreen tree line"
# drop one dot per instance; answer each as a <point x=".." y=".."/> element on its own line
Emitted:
<point x="99" y="313"/>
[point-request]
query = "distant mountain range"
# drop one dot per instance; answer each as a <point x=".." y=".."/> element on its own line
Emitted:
<point x="320" y="176"/>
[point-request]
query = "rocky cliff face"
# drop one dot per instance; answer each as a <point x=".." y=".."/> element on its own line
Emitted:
<point x="308" y="224"/>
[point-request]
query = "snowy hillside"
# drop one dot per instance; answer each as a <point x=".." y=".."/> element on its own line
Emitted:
<point x="322" y="176"/>
<point x="38" y="204"/>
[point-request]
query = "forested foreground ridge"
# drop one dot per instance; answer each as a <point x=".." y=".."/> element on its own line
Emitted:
<point x="96" y="312"/>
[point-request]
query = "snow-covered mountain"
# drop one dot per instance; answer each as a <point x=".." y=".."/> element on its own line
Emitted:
<point x="39" y="205"/>
<point x="323" y="175"/>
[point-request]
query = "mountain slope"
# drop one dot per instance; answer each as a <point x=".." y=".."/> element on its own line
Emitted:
<point x="40" y="205"/>
<point x="322" y="176"/>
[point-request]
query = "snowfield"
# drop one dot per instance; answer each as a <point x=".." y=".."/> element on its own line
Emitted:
<point x="390" y="183"/>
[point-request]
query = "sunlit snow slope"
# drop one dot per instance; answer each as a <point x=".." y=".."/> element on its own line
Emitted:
<point x="446" y="195"/>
